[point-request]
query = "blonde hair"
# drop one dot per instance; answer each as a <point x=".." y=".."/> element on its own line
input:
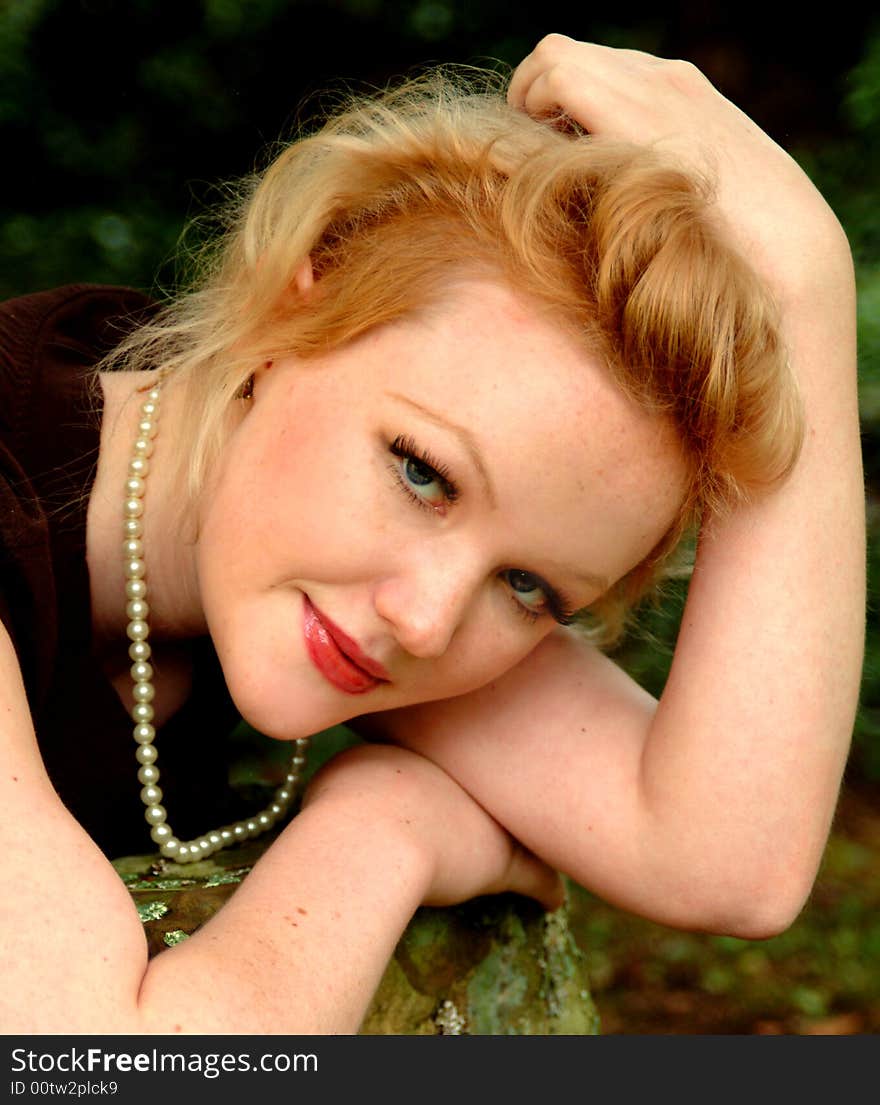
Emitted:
<point x="400" y="192"/>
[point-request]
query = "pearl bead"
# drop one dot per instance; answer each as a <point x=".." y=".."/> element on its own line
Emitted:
<point x="215" y="839"/>
<point x="143" y="447"/>
<point x="137" y="609"/>
<point x="170" y="848"/>
<point x="151" y="795"/>
<point x="142" y="711"/>
<point x="135" y="568"/>
<point x="275" y="810"/>
<point x="148" y="774"/>
<point x="183" y="853"/>
<point x="132" y="548"/>
<point x="146" y="754"/>
<point x="149" y="408"/>
<point x="141" y="671"/>
<point x="133" y="508"/>
<point x="161" y="833"/>
<point x="264" y="821"/>
<point x="154" y="393"/>
<point x="139" y="650"/>
<point x="226" y="835"/>
<point x="147" y="428"/>
<point x="135" y="588"/>
<point x="138" y="630"/>
<point x="132" y="527"/>
<point x="155" y="815"/>
<point x="139" y="466"/>
<point x="144" y="733"/>
<point x="135" y="487"/>
<point x="143" y="692"/>
<point x="283" y="796"/>
<point x="239" y="831"/>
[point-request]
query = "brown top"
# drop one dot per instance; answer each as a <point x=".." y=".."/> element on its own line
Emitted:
<point x="50" y="417"/>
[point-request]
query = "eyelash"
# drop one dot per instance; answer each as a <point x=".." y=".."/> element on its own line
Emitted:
<point x="405" y="447"/>
<point x="557" y="607"/>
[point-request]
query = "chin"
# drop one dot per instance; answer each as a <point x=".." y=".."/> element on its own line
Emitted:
<point x="285" y="712"/>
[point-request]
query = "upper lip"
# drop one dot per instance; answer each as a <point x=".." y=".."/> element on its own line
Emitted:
<point x="351" y="648"/>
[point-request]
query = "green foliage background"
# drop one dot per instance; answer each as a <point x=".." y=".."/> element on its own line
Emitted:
<point x="120" y="121"/>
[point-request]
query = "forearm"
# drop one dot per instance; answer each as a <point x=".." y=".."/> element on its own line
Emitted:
<point x="303" y="943"/>
<point x="758" y="710"/>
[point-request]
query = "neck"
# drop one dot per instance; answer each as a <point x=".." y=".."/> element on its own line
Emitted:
<point x="169" y="551"/>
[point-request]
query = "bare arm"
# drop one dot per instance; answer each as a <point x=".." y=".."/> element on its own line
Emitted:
<point x="302" y="944"/>
<point x="711" y="809"/>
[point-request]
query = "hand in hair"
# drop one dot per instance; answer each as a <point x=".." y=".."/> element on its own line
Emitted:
<point x="779" y="220"/>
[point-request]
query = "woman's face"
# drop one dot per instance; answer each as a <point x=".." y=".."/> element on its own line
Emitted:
<point x="405" y="518"/>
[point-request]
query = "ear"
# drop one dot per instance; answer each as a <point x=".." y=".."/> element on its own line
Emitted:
<point x="304" y="277"/>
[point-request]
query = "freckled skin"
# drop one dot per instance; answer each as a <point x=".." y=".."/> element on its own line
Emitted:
<point x="305" y="501"/>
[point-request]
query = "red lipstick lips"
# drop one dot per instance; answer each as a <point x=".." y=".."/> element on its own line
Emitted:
<point x="336" y="656"/>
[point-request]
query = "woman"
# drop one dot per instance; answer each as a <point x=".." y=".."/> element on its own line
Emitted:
<point x="405" y="475"/>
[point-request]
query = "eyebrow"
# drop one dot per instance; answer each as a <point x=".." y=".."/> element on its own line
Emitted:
<point x="470" y="445"/>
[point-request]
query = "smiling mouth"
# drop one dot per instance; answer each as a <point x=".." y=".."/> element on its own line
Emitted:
<point x="336" y="656"/>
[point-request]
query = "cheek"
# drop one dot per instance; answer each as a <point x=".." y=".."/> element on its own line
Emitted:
<point x="487" y="652"/>
<point x="296" y="505"/>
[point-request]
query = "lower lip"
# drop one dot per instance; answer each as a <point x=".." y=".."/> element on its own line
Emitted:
<point x="329" y="659"/>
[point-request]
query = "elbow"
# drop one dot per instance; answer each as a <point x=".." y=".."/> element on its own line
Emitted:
<point x="760" y="924"/>
<point x="757" y="909"/>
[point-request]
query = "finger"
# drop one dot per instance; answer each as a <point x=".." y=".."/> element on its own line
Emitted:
<point x="531" y="67"/>
<point x="602" y="99"/>
<point x="531" y="876"/>
<point x="555" y="50"/>
<point x="562" y="89"/>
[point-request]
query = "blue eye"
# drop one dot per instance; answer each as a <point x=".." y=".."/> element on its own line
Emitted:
<point x="529" y="590"/>
<point x="534" y="597"/>
<point x="423" y="479"/>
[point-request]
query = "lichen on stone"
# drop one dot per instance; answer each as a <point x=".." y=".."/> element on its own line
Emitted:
<point x="566" y="999"/>
<point x="224" y="877"/>
<point x="448" y="1020"/>
<point x="152" y="911"/>
<point x="175" y="936"/>
<point x="159" y="884"/>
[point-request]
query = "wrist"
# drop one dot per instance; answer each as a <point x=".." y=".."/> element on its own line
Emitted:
<point x="377" y="804"/>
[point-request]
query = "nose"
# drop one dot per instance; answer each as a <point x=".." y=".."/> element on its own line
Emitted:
<point x="426" y="599"/>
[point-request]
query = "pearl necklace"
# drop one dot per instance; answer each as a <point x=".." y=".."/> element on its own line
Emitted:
<point x="138" y="631"/>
